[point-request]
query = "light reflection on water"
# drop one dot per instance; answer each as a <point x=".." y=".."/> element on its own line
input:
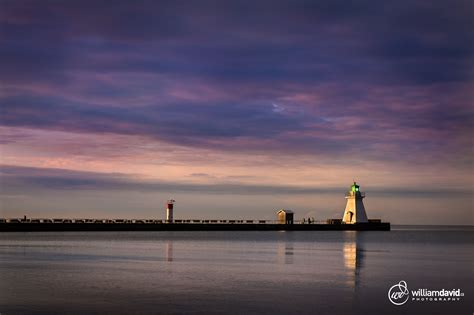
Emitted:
<point x="228" y="272"/>
<point x="353" y="257"/>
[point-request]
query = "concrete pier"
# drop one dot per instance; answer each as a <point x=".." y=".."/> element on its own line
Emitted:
<point x="83" y="227"/>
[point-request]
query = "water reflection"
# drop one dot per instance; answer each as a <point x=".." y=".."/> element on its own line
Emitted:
<point x="169" y="250"/>
<point x="353" y="257"/>
<point x="285" y="252"/>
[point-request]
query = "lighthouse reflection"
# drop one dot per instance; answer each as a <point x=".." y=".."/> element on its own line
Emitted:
<point x="353" y="257"/>
<point x="169" y="250"/>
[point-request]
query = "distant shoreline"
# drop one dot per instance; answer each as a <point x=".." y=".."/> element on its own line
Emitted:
<point x="431" y="227"/>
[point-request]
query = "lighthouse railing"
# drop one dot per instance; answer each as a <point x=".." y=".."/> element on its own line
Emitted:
<point x="358" y="193"/>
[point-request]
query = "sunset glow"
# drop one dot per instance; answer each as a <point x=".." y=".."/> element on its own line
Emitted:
<point x="110" y="110"/>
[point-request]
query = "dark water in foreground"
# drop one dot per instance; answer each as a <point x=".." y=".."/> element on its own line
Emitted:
<point x="234" y="272"/>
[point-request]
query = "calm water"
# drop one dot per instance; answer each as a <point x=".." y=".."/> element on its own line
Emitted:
<point x="233" y="272"/>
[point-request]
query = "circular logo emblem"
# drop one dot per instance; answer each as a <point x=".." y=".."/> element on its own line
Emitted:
<point x="398" y="293"/>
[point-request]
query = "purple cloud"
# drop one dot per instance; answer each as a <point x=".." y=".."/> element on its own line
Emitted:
<point x="349" y="79"/>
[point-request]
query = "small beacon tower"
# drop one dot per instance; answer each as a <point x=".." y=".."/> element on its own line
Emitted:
<point x="169" y="210"/>
<point x="355" y="210"/>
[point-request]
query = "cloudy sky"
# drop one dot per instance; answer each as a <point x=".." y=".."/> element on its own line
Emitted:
<point x="236" y="108"/>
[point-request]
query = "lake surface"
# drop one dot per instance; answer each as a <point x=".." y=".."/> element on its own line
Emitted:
<point x="306" y="272"/>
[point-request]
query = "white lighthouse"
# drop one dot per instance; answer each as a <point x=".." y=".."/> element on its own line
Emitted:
<point x="355" y="211"/>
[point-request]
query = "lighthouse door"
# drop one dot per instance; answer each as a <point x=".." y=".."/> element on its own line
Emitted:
<point x="351" y="214"/>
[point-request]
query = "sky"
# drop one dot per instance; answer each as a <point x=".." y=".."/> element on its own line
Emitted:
<point x="237" y="108"/>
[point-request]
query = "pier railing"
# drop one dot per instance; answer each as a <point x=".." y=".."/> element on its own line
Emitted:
<point x="149" y="221"/>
